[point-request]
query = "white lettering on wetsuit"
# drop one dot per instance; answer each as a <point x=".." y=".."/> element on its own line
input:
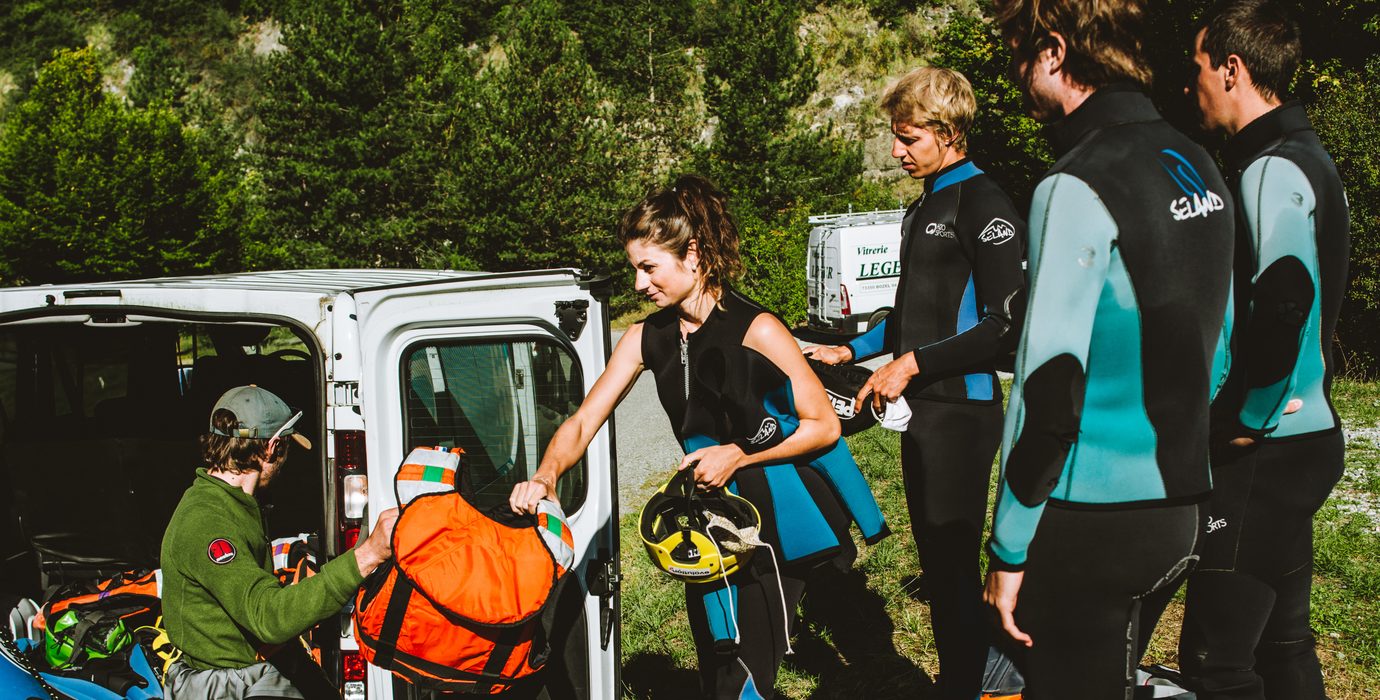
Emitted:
<point x="1189" y="207"/>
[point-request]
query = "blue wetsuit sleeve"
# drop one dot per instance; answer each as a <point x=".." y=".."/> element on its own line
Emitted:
<point x="869" y="344"/>
<point x="1221" y="359"/>
<point x="1071" y="238"/>
<point x="993" y="237"/>
<point x="1277" y="203"/>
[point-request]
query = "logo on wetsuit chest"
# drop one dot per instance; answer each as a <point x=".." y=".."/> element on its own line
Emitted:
<point x="765" y="432"/>
<point x="1198" y="200"/>
<point x="938" y="229"/>
<point x="1215" y="524"/>
<point x="997" y="232"/>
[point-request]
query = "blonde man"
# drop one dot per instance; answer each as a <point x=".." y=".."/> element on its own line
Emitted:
<point x="955" y="314"/>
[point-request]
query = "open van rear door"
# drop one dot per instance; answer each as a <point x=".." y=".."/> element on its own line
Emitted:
<point x="494" y="364"/>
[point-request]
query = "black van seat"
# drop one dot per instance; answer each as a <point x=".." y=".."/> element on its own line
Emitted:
<point x="98" y="503"/>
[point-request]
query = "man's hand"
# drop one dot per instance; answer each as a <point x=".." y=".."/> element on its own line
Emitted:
<point x="829" y="354"/>
<point x="1001" y="592"/>
<point x="1291" y="407"/>
<point x="527" y="494"/>
<point x="716" y="464"/>
<point x="887" y="383"/>
<point x="378" y="548"/>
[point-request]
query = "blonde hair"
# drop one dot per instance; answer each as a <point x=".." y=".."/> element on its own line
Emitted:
<point x="1103" y="36"/>
<point x="939" y="99"/>
<point x="690" y="209"/>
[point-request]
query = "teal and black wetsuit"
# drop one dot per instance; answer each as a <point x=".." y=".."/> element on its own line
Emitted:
<point x="1105" y="450"/>
<point x="1246" y="631"/>
<point x="716" y="391"/>
<point x="957" y="310"/>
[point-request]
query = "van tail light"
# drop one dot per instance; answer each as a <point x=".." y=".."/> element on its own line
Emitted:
<point x="845" y="306"/>
<point x="351" y="486"/>
<point x="352" y="673"/>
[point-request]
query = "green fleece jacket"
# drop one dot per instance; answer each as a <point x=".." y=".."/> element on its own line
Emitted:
<point x="221" y="601"/>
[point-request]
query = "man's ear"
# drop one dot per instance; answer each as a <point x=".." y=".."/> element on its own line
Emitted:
<point x="1054" y="50"/>
<point x="1234" y="72"/>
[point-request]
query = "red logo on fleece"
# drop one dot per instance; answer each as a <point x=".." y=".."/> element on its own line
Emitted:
<point x="221" y="551"/>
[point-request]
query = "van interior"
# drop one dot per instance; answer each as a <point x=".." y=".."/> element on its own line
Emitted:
<point x="98" y="437"/>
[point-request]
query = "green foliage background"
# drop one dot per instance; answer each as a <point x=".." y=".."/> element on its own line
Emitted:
<point x="146" y="137"/>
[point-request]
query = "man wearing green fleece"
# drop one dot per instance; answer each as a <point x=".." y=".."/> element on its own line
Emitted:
<point x="222" y="607"/>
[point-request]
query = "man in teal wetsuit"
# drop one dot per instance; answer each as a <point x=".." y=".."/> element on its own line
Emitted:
<point x="1278" y="447"/>
<point x="1105" y="448"/>
<point x="223" y="608"/>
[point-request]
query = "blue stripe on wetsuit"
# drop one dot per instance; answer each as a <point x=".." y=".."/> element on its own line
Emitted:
<point x="869" y="344"/>
<point x="721" y="606"/>
<point x="979" y="385"/>
<point x="955" y="176"/>
<point x="1278" y="202"/>
<point x="807" y="531"/>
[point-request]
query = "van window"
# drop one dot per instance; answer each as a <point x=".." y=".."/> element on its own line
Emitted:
<point x="500" y="401"/>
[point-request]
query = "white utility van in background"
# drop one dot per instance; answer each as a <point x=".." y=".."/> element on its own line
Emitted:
<point x="853" y="267"/>
<point x="105" y="387"/>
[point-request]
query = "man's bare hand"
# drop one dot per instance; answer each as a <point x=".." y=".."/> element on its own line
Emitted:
<point x="829" y="354"/>
<point x="887" y="383"/>
<point x="1292" y="407"/>
<point x="1003" y="588"/>
<point x="378" y="547"/>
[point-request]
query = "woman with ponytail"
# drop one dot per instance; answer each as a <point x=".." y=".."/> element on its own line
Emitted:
<point x="751" y="416"/>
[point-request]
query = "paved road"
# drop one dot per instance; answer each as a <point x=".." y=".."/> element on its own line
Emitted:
<point x="647" y="449"/>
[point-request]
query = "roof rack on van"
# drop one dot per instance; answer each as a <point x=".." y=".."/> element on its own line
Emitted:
<point x="880" y="216"/>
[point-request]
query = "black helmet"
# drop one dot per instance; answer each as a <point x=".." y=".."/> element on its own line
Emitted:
<point x="841" y="383"/>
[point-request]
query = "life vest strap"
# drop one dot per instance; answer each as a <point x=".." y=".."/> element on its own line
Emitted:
<point x="387" y="643"/>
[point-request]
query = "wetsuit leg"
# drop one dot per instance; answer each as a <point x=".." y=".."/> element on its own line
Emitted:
<point x="1087" y="578"/>
<point x="748" y="672"/>
<point x="946" y="461"/>
<point x="1246" y="630"/>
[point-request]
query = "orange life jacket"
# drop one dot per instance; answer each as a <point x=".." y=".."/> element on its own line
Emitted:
<point x="460" y="606"/>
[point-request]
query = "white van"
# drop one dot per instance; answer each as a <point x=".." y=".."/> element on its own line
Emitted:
<point x="105" y="387"/>
<point x="853" y="267"/>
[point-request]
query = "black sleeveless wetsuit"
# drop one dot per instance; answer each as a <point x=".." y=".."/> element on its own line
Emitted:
<point x="716" y="391"/>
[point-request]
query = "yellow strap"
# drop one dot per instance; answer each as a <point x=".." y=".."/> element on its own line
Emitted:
<point x="162" y="645"/>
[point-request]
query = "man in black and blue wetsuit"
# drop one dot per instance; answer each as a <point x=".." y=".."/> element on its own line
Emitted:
<point x="1105" y="450"/>
<point x="1277" y="451"/>
<point x="955" y="314"/>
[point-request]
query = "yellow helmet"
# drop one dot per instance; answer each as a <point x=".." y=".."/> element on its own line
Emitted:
<point x="695" y="536"/>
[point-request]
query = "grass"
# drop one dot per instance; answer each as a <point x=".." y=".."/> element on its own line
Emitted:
<point x="875" y="640"/>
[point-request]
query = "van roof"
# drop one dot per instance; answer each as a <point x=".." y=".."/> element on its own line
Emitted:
<point x="287" y="293"/>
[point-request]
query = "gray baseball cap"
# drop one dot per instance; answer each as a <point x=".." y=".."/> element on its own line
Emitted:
<point x="259" y="414"/>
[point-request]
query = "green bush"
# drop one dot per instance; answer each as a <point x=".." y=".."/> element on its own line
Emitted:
<point x="1344" y="115"/>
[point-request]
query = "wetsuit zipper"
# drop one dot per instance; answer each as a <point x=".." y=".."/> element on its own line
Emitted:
<point x="685" y="365"/>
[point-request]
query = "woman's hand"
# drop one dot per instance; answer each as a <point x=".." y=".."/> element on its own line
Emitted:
<point x="527" y="494"/>
<point x="716" y="464"/>
<point x="829" y="354"/>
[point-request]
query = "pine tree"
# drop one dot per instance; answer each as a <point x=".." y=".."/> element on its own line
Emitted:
<point x="91" y="188"/>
